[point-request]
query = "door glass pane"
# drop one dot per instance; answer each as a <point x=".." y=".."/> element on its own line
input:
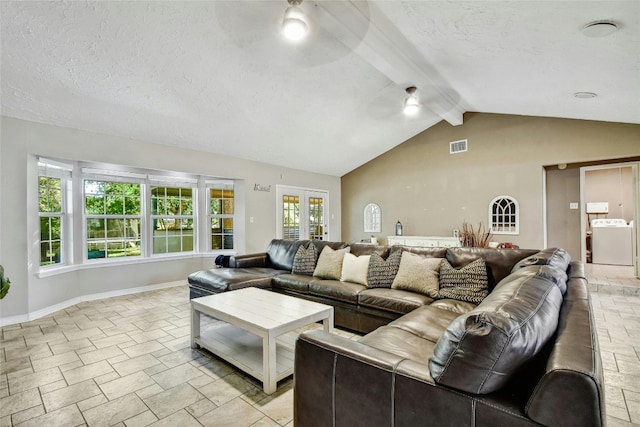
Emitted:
<point x="290" y="217"/>
<point x="316" y="218"/>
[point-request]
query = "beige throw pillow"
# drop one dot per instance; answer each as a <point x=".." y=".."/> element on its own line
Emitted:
<point x="418" y="274"/>
<point x="355" y="268"/>
<point x="330" y="263"/>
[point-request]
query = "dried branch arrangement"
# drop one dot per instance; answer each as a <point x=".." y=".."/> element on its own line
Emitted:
<point x="475" y="238"/>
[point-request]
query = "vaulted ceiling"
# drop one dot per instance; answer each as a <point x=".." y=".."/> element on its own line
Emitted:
<point x="218" y="76"/>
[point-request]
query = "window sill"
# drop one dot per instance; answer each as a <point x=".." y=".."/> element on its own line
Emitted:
<point x="54" y="271"/>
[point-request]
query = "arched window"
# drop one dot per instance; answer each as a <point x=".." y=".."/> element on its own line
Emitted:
<point x="372" y="218"/>
<point x="504" y="215"/>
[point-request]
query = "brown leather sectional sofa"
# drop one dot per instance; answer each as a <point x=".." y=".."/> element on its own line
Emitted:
<point x="526" y="355"/>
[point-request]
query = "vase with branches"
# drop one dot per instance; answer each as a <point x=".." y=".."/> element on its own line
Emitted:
<point x="471" y="237"/>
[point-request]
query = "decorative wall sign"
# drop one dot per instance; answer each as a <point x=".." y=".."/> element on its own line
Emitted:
<point x="260" y="187"/>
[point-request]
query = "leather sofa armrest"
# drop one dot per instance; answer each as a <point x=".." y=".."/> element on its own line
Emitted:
<point x="248" y="260"/>
<point x="330" y="370"/>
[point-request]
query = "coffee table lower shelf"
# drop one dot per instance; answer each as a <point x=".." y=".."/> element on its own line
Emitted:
<point x="245" y="350"/>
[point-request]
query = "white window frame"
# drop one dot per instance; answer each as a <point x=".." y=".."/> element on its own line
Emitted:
<point x="501" y="223"/>
<point x="91" y="174"/>
<point x="213" y="184"/>
<point x="171" y="182"/>
<point x="54" y="169"/>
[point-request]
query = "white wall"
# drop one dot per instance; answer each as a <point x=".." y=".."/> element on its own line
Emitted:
<point x="21" y="141"/>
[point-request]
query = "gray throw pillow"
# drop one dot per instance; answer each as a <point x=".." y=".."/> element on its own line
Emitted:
<point x="469" y="283"/>
<point x="382" y="272"/>
<point x="305" y="260"/>
<point x="330" y="263"/>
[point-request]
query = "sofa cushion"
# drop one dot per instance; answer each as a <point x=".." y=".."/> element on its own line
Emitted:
<point x="382" y="272"/>
<point x="334" y="289"/>
<point x="330" y="263"/>
<point x="305" y="260"/>
<point x="426" y="322"/>
<point x="481" y="350"/>
<point x="393" y="300"/>
<point x="292" y="282"/>
<point x="354" y="268"/>
<point x="469" y="283"/>
<point x="418" y="274"/>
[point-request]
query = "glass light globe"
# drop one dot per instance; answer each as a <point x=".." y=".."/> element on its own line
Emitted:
<point x="293" y="25"/>
<point x="411" y="106"/>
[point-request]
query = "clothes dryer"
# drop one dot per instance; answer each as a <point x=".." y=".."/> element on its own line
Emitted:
<point x="611" y="241"/>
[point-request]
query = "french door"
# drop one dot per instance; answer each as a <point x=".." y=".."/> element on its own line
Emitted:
<point x="302" y="214"/>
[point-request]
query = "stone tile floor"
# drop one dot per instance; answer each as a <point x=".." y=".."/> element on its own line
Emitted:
<point x="126" y="361"/>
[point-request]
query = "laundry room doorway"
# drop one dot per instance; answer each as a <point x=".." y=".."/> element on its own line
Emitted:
<point x="609" y="212"/>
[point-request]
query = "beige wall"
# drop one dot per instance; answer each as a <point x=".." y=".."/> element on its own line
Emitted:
<point x="563" y="223"/>
<point x="21" y="141"/>
<point x="432" y="192"/>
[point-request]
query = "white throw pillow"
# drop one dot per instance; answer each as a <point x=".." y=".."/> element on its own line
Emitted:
<point x="355" y="268"/>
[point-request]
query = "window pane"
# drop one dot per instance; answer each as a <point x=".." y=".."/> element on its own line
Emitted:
<point x="227" y="207"/>
<point x="215" y="206"/>
<point x="94" y="205"/>
<point x="115" y="228"/>
<point x="115" y="205"/>
<point x="45" y="253"/>
<point x="45" y="229"/>
<point x="96" y="250"/>
<point x="55" y="228"/>
<point x="95" y="228"/>
<point x="159" y="243"/>
<point x="216" y="242"/>
<point x="132" y="229"/>
<point x="50" y="193"/>
<point x="132" y="205"/>
<point x="174" y="243"/>
<point x="123" y="248"/>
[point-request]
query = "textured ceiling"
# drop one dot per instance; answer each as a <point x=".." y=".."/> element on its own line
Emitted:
<point x="217" y="76"/>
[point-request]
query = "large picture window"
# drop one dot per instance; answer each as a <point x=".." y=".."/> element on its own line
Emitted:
<point x="220" y="213"/>
<point x="113" y="219"/>
<point x="172" y="218"/>
<point x="126" y="213"/>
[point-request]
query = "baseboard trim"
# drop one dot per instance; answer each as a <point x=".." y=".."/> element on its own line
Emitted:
<point x="12" y="320"/>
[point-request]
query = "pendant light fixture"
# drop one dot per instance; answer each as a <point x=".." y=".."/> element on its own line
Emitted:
<point x="294" y="25"/>
<point x="411" y="103"/>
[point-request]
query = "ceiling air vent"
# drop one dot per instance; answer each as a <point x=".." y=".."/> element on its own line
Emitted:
<point x="458" y="146"/>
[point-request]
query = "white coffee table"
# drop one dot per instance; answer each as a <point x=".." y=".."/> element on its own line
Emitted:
<point x="255" y="318"/>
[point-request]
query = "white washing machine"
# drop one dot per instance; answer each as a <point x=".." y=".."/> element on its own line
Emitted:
<point x="611" y="242"/>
